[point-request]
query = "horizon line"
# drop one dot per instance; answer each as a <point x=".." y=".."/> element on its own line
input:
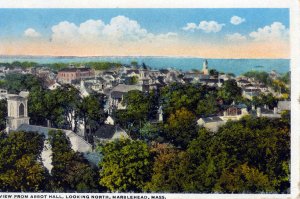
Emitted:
<point x="133" y="56"/>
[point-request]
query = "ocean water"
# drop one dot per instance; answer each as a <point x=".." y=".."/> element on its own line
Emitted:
<point x="236" y="66"/>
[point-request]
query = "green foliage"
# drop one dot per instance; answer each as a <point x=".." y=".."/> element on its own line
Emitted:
<point x="62" y="105"/>
<point x="244" y="179"/>
<point x="140" y="107"/>
<point x="17" y="64"/>
<point x="230" y="91"/>
<point x="260" y="143"/>
<point x="14" y="83"/>
<point x="20" y="168"/>
<point x="208" y="106"/>
<point x="166" y="169"/>
<point x="134" y="63"/>
<point x="90" y="110"/>
<point x="70" y="172"/>
<point x="126" y="165"/>
<point x="213" y="72"/>
<point x="176" y="96"/>
<point x="181" y="127"/>
<point x="260" y="76"/>
<point x="102" y="65"/>
<point x="151" y="132"/>
<point x="133" y="80"/>
<point x="246" y="156"/>
<point x="265" y="99"/>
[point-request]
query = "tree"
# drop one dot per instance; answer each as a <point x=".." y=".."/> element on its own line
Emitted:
<point x="20" y="163"/>
<point x="15" y="83"/>
<point x="213" y="72"/>
<point x="168" y="170"/>
<point x="133" y="80"/>
<point x="181" y="127"/>
<point x="134" y="63"/>
<point x="90" y="110"/>
<point x="230" y="91"/>
<point x="244" y="179"/>
<point x="150" y="132"/>
<point x="126" y="165"/>
<point x="140" y="107"/>
<point x="70" y="172"/>
<point x="265" y="99"/>
<point x="177" y="95"/>
<point x="208" y="106"/>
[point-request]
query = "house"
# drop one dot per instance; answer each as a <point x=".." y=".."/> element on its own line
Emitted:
<point x="116" y="95"/>
<point x="53" y="85"/>
<point x="107" y="133"/>
<point x="211" y="123"/>
<point x="68" y="75"/>
<point x="250" y="92"/>
<point x="234" y="112"/>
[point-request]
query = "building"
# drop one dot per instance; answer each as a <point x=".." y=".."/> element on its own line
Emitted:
<point x="69" y="75"/>
<point x="17" y="111"/>
<point x="205" y="70"/>
<point x="117" y="93"/>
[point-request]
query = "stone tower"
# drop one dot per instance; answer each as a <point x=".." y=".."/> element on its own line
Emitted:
<point x="205" y="68"/>
<point x="17" y="111"/>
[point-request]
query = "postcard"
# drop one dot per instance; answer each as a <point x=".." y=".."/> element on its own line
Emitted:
<point x="125" y="100"/>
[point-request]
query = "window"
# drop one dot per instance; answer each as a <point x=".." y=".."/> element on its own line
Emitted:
<point x="21" y="110"/>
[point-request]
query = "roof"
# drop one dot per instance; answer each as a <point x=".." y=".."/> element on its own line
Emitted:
<point x="117" y="94"/>
<point x="212" y="119"/>
<point x="74" y="69"/>
<point x="284" y="105"/>
<point x="32" y="128"/>
<point x="105" y="131"/>
<point x="126" y="88"/>
<point x="78" y="143"/>
<point x="15" y="97"/>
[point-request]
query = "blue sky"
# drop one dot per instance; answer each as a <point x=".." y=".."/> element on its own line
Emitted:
<point x="13" y="22"/>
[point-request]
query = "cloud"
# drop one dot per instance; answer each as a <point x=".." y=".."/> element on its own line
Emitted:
<point x="91" y="28"/>
<point x="236" y="20"/>
<point x="206" y="26"/>
<point x="236" y="37"/>
<point x="190" y="26"/>
<point x="210" y="26"/>
<point x="119" y="29"/>
<point x="30" y="32"/>
<point x="64" y="31"/>
<point x="123" y="28"/>
<point x="275" y="31"/>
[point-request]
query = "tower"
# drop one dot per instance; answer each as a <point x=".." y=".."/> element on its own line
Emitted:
<point x="17" y="111"/>
<point x="205" y="68"/>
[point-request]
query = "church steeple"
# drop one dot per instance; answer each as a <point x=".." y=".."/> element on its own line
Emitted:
<point x="205" y="68"/>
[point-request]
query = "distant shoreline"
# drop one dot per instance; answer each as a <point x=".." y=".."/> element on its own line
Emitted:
<point x="236" y="66"/>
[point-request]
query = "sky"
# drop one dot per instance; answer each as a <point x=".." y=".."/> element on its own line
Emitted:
<point x="206" y="33"/>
